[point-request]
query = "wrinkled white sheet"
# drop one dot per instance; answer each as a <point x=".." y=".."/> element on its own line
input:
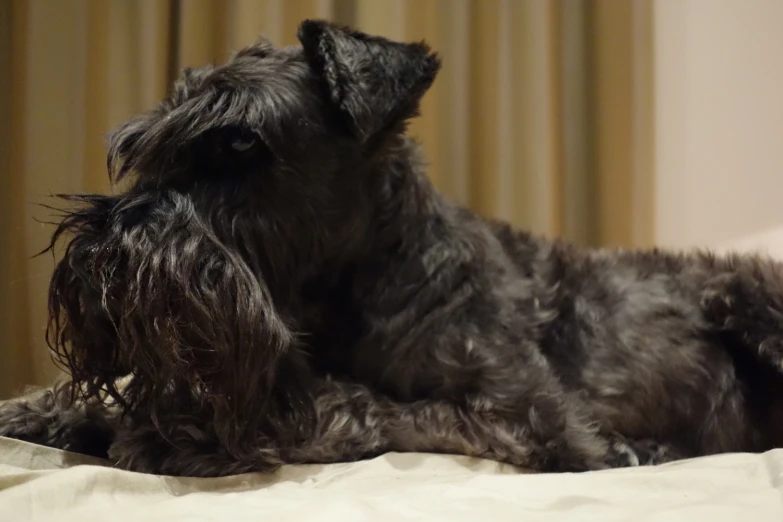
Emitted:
<point x="39" y="483"/>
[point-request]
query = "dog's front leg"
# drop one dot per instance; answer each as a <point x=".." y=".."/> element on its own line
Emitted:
<point x="51" y="418"/>
<point x="348" y="426"/>
<point x="477" y="429"/>
<point x="190" y="450"/>
<point x="354" y="423"/>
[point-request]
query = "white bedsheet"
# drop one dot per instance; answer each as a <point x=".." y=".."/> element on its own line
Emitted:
<point x="39" y="483"/>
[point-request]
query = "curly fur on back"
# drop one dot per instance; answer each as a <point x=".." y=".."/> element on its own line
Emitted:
<point x="281" y="283"/>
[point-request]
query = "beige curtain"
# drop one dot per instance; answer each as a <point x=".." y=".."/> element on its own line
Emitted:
<point x="540" y="115"/>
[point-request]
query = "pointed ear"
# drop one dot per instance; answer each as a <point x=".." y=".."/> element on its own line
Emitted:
<point x="374" y="82"/>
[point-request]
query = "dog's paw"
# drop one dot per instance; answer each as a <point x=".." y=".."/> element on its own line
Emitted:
<point x="143" y="450"/>
<point x="22" y="421"/>
<point x="651" y="453"/>
<point x="621" y="455"/>
<point x="42" y="420"/>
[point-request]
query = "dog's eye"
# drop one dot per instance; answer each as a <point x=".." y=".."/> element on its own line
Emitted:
<point x="244" y="144"/>
<point x="239" y="142"/>
<point x="234" y="147"/>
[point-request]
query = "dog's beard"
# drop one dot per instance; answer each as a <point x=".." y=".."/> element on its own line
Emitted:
<point x="148" y="289"/>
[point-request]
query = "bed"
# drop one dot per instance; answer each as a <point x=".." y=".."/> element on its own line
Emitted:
<point x="38" y="483"/>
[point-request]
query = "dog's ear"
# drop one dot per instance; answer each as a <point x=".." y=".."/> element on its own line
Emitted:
<point x="374" y="82"/>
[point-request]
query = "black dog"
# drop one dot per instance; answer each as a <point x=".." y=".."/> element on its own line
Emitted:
<point x="282" y="283"/>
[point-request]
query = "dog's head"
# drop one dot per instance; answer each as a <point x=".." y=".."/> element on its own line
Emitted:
<point x="246" y="177"/>
<point x="275" y="145"/>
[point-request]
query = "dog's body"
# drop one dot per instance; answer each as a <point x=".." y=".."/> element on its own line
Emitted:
<point x="283" y="284"/>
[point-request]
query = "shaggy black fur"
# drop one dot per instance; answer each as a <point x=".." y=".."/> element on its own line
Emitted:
<point x="282" y="283"/>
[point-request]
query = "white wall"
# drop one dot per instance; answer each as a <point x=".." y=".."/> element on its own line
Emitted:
<point x="718" y="119"/>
